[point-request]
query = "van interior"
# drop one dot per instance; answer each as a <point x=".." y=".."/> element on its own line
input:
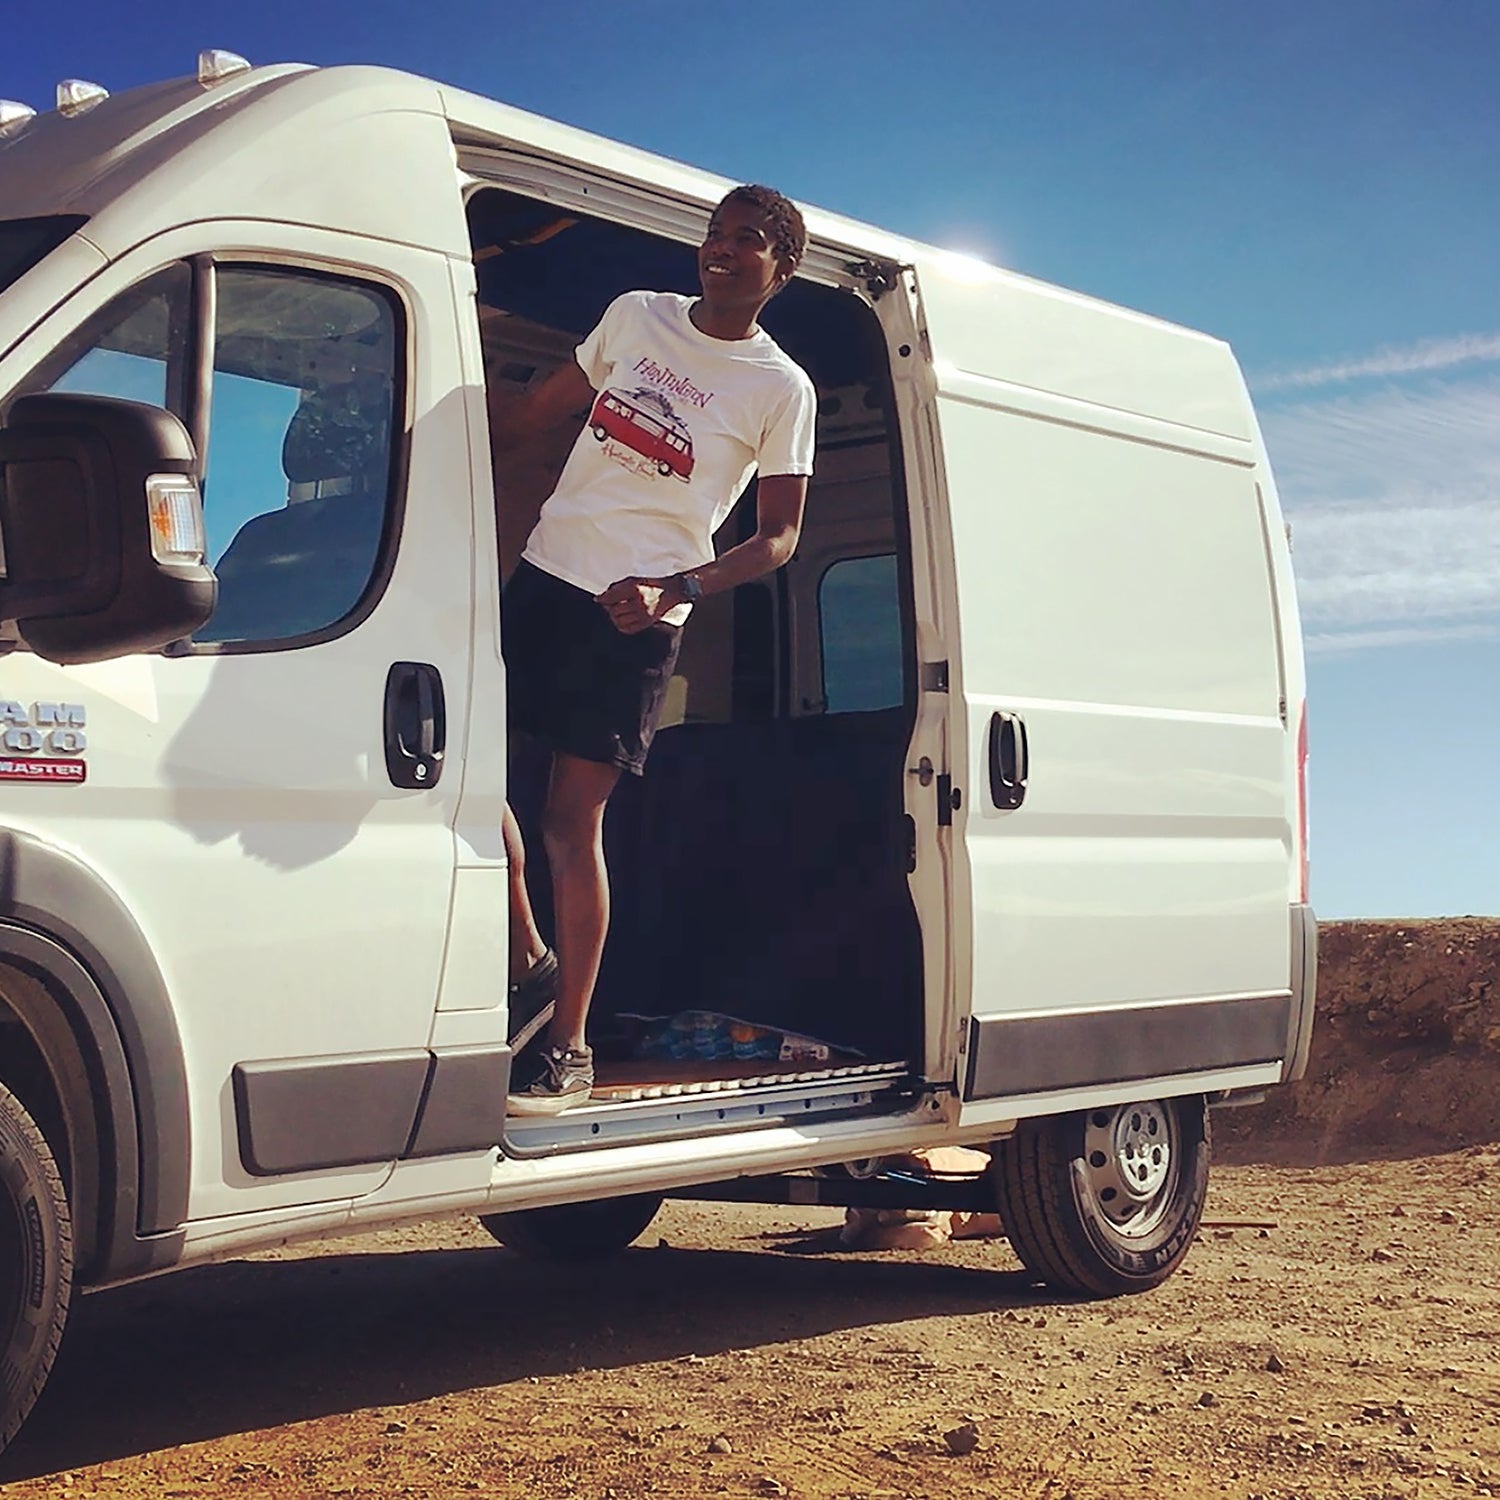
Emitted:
<point x="759" y="869"/>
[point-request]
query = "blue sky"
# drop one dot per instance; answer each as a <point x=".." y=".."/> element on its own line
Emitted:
<point x="1319" y="183"/>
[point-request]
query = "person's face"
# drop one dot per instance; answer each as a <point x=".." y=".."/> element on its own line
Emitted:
<point x="737" y="262"/>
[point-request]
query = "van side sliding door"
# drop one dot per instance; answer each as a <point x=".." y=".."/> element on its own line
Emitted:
<point x="1118" y="816"/>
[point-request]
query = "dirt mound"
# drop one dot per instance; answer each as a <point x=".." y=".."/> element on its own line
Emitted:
<point x="1406" y="1048"/>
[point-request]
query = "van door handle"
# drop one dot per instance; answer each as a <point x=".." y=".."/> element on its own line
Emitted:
<point x="416" y="726"/>
<point x="1009" y="760"/>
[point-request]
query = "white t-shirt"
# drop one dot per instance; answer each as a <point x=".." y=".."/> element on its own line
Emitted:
<point x="679" y="423"/>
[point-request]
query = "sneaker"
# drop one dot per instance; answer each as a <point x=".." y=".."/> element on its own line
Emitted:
<point x="531" y="1000"/>
<point x="551" y="1080"/>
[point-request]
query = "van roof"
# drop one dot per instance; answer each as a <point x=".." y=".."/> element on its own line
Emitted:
<point x="82" y="164"/>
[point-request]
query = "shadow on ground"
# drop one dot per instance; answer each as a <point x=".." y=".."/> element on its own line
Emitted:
<point x="254" y="1344"/>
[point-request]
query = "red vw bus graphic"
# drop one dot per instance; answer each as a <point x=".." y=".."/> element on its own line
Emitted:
<point x="644" y="421"/>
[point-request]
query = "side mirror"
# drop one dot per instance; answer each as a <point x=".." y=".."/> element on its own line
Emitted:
<point x="102" y="548"/>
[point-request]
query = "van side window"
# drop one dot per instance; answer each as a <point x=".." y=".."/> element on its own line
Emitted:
<point x="299" y="473"/>
<point x="859" y="623"/>
<point x="135" y="349"/>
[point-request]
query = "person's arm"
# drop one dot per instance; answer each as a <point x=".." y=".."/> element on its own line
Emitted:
<point x="561" y="395"/>
<point x="633" y="604"/>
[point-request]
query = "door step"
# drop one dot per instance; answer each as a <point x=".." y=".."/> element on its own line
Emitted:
<point x="658" y="1108"/>
<point x="621" y="1083"/>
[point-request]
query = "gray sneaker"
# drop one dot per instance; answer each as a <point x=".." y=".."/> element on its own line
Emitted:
<point x="550" y="1080"/>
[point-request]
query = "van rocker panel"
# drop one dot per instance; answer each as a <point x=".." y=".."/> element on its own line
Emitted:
<point x="1034" y="1054"/>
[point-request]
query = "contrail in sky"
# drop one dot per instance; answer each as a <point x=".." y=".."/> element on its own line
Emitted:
<point x="1410" y="359"/>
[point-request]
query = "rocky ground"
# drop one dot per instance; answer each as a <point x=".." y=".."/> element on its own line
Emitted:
<point x="1335" y="1331"/>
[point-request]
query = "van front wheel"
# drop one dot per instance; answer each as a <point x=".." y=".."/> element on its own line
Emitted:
<point x="1105" y="1201"/>
<point x="575" y="1231"/>
<point x="36" y="1262"/>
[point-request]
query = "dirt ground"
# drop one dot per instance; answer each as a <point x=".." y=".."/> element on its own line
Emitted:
<point x="1335" y="1331"/>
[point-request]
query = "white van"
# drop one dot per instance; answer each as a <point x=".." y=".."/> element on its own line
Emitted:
<point x="981" y="822"/>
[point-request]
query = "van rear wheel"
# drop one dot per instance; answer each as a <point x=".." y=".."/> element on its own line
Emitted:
<point x="1105" y="1201"/>
<point x="575" y="1231"/>
<point x="36" y="1262"/>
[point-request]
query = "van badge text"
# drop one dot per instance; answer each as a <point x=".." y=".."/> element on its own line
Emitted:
<point x="54" y="729"/>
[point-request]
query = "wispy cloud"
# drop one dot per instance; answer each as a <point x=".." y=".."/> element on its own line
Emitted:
<point x="1394" y="499"/>
<point x="1427" y="356"/>
<point x="1340" y="643"/>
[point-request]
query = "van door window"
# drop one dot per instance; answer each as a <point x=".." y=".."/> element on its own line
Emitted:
<point x="299" y="469"/>
<point x="134" y="349"/>
<point x="859" y="621"/>
<point x="298" y="474"/>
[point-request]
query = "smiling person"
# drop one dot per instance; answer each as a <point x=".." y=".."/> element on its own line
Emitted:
<point x="687" y="398"/>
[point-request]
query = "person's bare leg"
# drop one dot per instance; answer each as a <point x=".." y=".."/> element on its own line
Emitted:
<point x="573" y="829"/>
<point x="526" y="942"/>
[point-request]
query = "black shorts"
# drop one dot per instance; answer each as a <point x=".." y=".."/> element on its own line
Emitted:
<point x="573" y="681"/>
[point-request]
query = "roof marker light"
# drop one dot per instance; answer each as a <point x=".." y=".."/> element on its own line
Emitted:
<point x="216" y="64"/>
<point x="13" y="116"/>
<point x="75" y="96"/>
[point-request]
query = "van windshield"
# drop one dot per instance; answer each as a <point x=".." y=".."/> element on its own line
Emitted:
<point x="24" y="242"/>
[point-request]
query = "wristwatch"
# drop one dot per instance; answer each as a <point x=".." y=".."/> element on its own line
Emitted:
<point x="690" y="586"/>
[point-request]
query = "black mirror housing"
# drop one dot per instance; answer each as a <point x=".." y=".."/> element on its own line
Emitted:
<point x="85" y="576"/>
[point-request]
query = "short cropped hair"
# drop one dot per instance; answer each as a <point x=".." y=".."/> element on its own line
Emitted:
<point x="788" y="232"/>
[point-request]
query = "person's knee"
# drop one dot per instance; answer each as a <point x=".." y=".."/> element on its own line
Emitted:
<point x="571" y="830"/>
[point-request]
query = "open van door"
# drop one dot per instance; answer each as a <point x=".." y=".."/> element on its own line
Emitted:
<point x="1102" y="771"/>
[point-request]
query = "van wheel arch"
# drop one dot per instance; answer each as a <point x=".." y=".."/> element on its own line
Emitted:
<point x="1105" y="1201"/>
<point x="66" y="926"/>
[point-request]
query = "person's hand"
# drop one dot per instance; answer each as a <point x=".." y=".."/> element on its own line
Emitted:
<point x="635" y="604"/>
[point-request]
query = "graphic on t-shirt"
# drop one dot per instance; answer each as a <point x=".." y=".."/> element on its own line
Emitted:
<point x="640" y="429"/>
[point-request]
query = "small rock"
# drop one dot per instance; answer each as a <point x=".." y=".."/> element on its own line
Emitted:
<point x="395" y="1427"/>
<point x="1208" y="1399"/>
<point x="962" y="1440"/>
<point x="720" y="1444"/>
<point x="1380" y="1253"/>
<point x="1398" y="1212"/>
<point x="1447" y="1217"/>
<point x="770" y="1486"/>
<point x="1275" y="1364"/>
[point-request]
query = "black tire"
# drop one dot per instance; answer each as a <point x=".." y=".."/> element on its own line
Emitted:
<point x="36" y="1262"/>
<point x="1105" y="1201"/>
<point x="575" y="1231"/>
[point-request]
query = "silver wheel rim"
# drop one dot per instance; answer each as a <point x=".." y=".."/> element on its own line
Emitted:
<point x="1128" y="1171"/>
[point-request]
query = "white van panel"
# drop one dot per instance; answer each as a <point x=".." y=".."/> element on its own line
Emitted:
<point x="987" y="322"/>
<point x="1107" y="570"/>
<point x="1114" y="595"/>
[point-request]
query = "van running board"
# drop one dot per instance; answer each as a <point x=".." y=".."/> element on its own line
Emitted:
<point x="612" y="1089"/>
<point x="663" y="1110"/>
